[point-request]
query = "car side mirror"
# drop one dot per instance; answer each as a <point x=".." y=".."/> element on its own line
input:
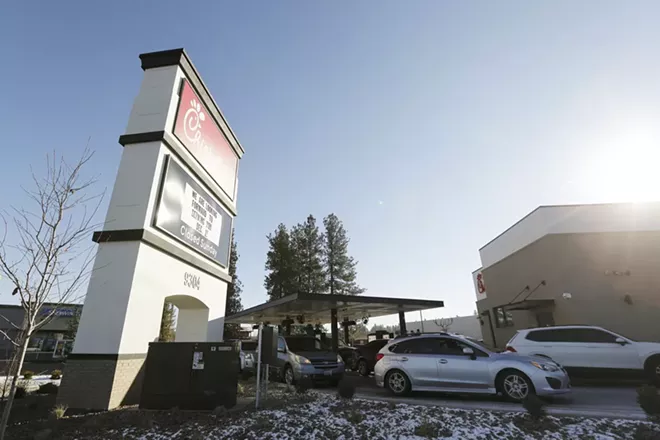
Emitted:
<point x="470" y="352"/>
<point x="621" y="341"/>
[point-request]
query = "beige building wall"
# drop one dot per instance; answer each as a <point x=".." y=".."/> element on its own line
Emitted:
<point x="613" y="279"/>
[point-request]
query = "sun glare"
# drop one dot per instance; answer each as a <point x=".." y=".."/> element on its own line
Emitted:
<point x="626" y="169"/>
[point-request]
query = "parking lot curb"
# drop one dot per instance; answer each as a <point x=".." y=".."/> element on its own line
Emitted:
<point x="608" y="413"/>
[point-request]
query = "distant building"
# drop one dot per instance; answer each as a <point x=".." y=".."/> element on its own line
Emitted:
<point x="464" y="325"/>
<point x="46" y="343"/>
<point x="577" y="264"/>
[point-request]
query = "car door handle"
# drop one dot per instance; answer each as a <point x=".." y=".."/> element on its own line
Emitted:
<point x="443" y="361"/>
<point x="403" y="359"/>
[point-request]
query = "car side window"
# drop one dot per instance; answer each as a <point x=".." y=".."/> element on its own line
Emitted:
<point x="574" y="335"/>
<point x="556" y="335"/>
<point x="281" y="345"/>
<point x="415" y="346"/>
<point x="592" y="335"/>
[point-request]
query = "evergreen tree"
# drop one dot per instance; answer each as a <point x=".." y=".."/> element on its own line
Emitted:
<point x="308" y="250"/>
<point x="72" y="326"/>
<point x="234" y="290"/>
<point x="167" y="323"/>
<point x="281" y="276"/>
<point x="340" y="268"/>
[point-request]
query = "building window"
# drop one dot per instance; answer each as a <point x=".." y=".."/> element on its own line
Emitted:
<point x="503" y="318"/>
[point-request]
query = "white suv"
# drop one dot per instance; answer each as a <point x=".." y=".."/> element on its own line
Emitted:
<point x="582" y="349"/>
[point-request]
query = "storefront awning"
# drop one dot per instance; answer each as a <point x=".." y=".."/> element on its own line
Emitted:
<point x="529" y="304"/>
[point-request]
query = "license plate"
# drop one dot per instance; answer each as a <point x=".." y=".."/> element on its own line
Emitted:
<point x="328" y="373"/>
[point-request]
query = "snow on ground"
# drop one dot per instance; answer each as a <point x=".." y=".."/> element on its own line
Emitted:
<point x="322" y="416"/>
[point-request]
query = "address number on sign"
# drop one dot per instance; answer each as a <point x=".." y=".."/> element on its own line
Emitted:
<point x="191" y="280"/>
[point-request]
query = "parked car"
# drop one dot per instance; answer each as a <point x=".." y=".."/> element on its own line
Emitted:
<point x="348" y="355"/>
<point x="247" y="350"/>
<point x="306" y="356"/>
<point x="365" y="356"/>
<point x="589" y="349"/>
<point x="450" y="363"/>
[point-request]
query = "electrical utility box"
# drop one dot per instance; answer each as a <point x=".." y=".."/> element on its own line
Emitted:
<point x="269" y="336"/>
<point x="190" y="375"/>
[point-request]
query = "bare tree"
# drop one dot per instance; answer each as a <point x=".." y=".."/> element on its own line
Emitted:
<point x="44" y="252"/>
<point x="444" y="323"/>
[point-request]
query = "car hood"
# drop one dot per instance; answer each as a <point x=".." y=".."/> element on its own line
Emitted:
<point x="318" y="355"/>
<point x="523" y="358"/>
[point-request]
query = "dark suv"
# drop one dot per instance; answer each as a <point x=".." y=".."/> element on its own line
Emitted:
<point x="366" y="355"/>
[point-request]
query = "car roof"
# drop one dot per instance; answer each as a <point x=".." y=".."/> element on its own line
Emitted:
<point x="559" y="327"/>
<point x="428" y="335"/>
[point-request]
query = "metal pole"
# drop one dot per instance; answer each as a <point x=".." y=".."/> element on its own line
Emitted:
<point x="421" y="320"/>
<point x="258" y="368"/>
<point x="266" y="383"/>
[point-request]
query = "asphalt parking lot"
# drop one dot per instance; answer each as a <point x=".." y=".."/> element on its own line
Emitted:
<point x="586" y="399"/>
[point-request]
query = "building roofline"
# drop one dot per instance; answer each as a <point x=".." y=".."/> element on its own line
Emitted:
<point x="575" y="205"/>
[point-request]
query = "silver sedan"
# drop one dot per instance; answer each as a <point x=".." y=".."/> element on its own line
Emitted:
<point x="457" y="364"/>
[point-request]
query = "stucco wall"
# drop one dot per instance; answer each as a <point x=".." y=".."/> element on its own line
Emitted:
<point x="583" y="265"/>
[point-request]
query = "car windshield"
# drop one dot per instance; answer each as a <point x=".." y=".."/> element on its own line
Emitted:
<point x="482" y="345"/>
<point x="304" y="344"/>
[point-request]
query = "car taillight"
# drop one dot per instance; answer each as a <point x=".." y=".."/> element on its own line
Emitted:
<point x="511" y="349"/>
<point x="379" y="356"/>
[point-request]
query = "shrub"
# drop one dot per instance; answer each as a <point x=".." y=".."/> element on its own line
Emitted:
<point x="303" y="385"/>
<point x="428" y="430"/>
<point x="59" y="411"/>
<point x="534" y="406"/>
<point x="27" y="374"/>
<point x="20" y="393"/>
<point x="346" y="389"/>
<point x="240" y="390"/>
<point x="56" y="374"/>
<point x="355" y="417"/>
<point x="646" y="432"/>
<point x="649" y="400"/>
<point x="48" y="388"/>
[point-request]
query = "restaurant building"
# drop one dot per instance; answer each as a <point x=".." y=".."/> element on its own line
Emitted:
<point x="573" y="264"/>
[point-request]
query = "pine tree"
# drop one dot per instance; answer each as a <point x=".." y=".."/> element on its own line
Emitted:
<point x="340" y="268"/>
<point x="281" y="276"/>
<point x="167" y="323"/>
<point x="234" y="290"/>
<point x="72" y="326"/>
<point x="308" y="250"/>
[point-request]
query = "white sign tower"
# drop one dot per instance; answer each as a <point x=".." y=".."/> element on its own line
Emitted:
<point x="166" y="236"/>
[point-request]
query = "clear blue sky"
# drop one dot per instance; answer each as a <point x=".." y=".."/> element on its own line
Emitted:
<point x="428" y="127"/>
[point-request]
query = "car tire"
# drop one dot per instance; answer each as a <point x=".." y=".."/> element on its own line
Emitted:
<point x="363" y="368"/>
<point x="288" y="376"/>
<point x="652" y="368"/>
<point x="514" y="385"/>
<point x="398" y="383"/>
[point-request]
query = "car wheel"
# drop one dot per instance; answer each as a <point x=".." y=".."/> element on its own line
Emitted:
<point x="514" y="385"/>
<point x="653" y="370"/>
<point x="363" y="368"/>
<point x="397" y="382"/>
<point x="289" y="378"/>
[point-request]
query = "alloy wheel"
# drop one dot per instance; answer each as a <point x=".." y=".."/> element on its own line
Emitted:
<point x="516" y="387"/>
<point x="288" y="376"/>
<point x="397" y="382"/>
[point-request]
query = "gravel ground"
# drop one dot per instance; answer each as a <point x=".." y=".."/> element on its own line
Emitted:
<point x="289" y="415"/>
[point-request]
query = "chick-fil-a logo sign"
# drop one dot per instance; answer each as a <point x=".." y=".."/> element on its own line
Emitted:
<point x="199" y="133"/>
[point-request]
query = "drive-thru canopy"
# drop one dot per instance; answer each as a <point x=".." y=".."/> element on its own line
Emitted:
<point x="312" y="308"/>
